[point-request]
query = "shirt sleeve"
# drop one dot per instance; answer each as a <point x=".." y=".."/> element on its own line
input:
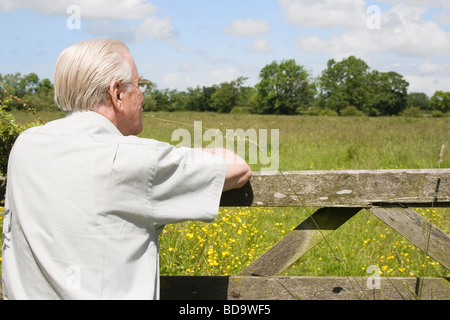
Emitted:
<point x="187" y="185"/>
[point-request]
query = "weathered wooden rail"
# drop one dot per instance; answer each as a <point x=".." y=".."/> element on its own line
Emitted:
<point x="339" y="195"/>
<point x="388" y="194"/>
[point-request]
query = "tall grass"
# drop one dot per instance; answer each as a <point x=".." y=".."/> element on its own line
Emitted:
<point x="327" y="143"/>
<point x="320" y="143"/>
<point x="239" y="235"/>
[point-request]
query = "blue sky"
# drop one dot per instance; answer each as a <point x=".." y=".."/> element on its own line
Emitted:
<point x="179" y="44"/>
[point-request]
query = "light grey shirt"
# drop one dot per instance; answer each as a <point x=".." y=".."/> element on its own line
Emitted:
<point x="85" y="207"/>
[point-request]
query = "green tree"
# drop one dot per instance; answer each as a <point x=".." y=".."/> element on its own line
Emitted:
<point x="418" y="99"/>
<point x="27" y="85"/>
<point x="285" y="88"/>
<point x="227" y="95"/>
<point x="440" y="101"/>
<point x="41" y="96"/>
<point x="10" y="81"/>
<point x="388" y="93"/>
<point x="344" y="84"/>
<point x="167" y="100"/>
<point x="200" y="98"/>
<point x="162" y="100"/>
<point x="28" y="91"/>
<point x="45" y="87"/>
<point x="149" y="97"/>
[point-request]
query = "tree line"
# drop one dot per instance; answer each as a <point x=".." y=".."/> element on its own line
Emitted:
<point x="347" y="87"/>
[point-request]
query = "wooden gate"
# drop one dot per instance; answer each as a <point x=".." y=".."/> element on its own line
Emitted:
<point x="388" y="194"/>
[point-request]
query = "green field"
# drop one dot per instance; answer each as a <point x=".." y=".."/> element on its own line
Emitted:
<point x="240" y="235"/>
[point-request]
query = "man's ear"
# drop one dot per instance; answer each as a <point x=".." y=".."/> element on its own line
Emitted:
<point x="116" y="95"/>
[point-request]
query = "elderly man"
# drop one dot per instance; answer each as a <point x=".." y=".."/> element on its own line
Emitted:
<point x="86" y="199"/>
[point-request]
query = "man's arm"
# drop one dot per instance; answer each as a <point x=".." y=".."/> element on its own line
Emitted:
<point x="238" y="172"/>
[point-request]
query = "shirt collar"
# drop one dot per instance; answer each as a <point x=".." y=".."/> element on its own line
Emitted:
<point x="96" y="119"/>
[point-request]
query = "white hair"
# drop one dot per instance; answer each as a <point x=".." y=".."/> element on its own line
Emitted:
<point x="85" y="70"/>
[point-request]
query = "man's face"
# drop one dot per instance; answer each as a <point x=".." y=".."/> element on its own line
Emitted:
<point x="133" y="100"/>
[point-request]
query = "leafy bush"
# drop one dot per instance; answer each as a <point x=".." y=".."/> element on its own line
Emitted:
<point x="352" y="111"/>
<point x="412" y="112"/>
<point x="313" y="111"/>
<point x="240" y="110"/>
<point x="9" y="128"/>
<point x="437" y="114"/>
<point x="327" y="112"/>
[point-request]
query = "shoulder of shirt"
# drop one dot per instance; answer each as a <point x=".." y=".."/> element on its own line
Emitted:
<point x="90" y="125"/>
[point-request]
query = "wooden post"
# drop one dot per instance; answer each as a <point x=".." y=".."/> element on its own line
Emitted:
<point x="300" y="288"/>
<point x="418" y="230"/>
<point x="343" y="188"/>
<point x="299" y="241"/>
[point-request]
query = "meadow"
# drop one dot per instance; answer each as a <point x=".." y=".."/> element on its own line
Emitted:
<point x="239" y="235"/>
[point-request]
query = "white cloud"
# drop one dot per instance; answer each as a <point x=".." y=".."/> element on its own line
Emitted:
<point x="156" y="28"/>
<point x="260" y="45"/>
<point x="180" y="47"/>
<point x="204" y="56"/>
<point x="443" y="4"/>
<point x="98" y="9"/>
<point x="152" y="27"/>
<point x="115" y="30"/>
<point x="176" y="81"/>
<point x="443" y="18"/>
<point x="403" y="30"/>
<point x="355" y="43"/>
<point x="429" y="67"/>
<point x="427" y="84"/>
<point x="171" y="79"/>
<point x="109" y="18"/>
<point x="224" y="75"/>
<point x="325" y="13"/>
<point x="247" y="28"/>
<point x="186" y="66"/>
